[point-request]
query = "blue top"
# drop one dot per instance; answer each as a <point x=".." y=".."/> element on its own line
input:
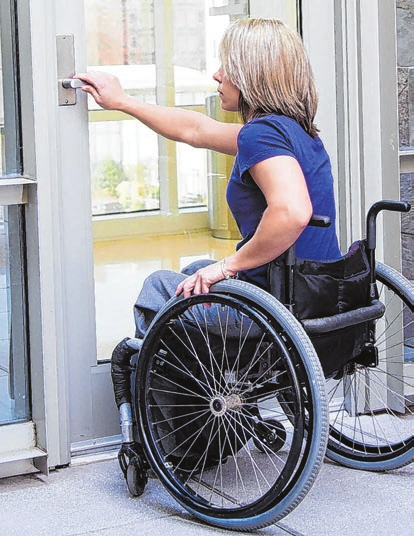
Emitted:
<point x="263" y="138"/>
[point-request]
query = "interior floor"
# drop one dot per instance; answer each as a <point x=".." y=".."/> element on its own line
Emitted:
<point x="121" y="267"/>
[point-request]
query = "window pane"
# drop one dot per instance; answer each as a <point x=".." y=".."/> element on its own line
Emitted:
<point x="14" y="375"/>
<point x="124" y="167"/>
<point x="124" y="153"/>
<point x="10" y="138"/>
<point x="164" y="52"/>
<point x="197" y="31"/>
<point x="14" y="383"/>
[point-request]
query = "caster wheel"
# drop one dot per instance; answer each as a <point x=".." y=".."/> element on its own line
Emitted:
<point x="136" y="477"/>
<point x="269" y="434"/>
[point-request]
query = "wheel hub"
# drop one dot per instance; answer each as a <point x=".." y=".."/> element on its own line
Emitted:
<point x="220" y="404"/>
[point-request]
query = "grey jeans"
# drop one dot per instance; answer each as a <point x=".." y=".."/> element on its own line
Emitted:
<point x="161" y="285"/>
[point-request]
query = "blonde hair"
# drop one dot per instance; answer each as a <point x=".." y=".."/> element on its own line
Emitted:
<point x="267" y="62"/>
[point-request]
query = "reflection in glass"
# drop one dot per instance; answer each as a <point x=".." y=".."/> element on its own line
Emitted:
<point x="163" y="52"/>
<point x="14" y="376"/>
<point x="14" y="399"/>
<point x="124" y="167"/>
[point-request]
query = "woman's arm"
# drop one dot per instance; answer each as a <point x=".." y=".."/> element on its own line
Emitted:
<point x="187" y="126"/>
<point x="288" y="212"/>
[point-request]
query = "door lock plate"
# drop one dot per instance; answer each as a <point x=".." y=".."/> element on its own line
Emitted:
<point x="65" y="51"/>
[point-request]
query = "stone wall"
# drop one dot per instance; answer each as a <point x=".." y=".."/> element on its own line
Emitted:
<point x="405" y="48"/>
<point x="407" y="194"/>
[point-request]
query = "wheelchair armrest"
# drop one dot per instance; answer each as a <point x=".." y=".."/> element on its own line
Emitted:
<point x="319" y="221"/>
<point x="317" y="326"/>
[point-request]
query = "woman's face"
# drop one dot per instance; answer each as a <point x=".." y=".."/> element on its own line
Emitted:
<point x="228" y="92"/>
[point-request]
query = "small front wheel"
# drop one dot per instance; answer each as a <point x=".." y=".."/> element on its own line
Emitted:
<point x="136" y="477"/>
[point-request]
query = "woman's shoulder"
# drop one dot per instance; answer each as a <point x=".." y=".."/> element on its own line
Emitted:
<point x="271" y="124"/>
<point x="278" y="124"/>
<point x="273" y="128"/>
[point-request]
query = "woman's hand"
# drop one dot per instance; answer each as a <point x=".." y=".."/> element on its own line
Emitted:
<point x="201" y="281"/>
<point x="105" y="88"/>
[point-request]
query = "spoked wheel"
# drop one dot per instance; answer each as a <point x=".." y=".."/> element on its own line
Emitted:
<point x="211" y="368"/>
<point x="372" y="409"/>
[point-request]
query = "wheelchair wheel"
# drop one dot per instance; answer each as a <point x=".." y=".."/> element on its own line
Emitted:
<point x="202" y="387"/>
<point x="372" y="408"/>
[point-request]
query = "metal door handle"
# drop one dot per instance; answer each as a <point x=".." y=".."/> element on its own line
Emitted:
<point x="72" y="83"/>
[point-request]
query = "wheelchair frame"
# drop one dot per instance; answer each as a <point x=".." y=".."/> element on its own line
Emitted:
<point x="237" y="429"/>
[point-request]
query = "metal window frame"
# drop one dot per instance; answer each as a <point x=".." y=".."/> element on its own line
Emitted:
<point x="22" y="444"/>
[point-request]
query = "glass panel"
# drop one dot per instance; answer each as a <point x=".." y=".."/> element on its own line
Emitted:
<point x="124" y="167"/>
<point x="159" y="62"/>
<point x="197" y="31"/>
<point x="124" y="153"/>
<point x="14" y="377"/>
<point x="10" y="142"/>
<point x="166" y="53"/>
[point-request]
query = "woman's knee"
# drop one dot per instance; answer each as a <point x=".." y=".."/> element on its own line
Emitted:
<point x="191" y="268"/>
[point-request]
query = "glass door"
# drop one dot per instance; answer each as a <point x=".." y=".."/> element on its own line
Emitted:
<point x="154" y="203"/>
<point x="145" y="187"/>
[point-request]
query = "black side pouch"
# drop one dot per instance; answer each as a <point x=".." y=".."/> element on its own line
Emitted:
<point x="325" y="289"/>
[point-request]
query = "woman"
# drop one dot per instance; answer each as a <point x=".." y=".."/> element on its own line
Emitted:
<point x="281" y="174"/>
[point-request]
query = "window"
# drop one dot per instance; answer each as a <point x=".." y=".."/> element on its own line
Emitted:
<point x="163" y="52"/>
<point x="14" y="382"/>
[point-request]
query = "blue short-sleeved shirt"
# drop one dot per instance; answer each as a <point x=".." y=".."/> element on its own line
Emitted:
<point x="270" y="136"/>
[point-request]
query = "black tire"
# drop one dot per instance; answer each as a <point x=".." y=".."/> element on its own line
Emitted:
<point x="136" y="478"/>
<point x="372" y="409"/>
<point x="200" y="392"/>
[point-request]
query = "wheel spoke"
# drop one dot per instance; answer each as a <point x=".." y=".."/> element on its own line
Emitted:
<point x="372" y="418"/>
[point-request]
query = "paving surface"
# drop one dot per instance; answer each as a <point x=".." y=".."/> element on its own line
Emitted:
<point x="91" y="498"/>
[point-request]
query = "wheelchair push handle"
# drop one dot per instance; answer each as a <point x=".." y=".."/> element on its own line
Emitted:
<point x="376" y="208"/>
<point x="319" y="221"/>
<point x="395" y="206"/>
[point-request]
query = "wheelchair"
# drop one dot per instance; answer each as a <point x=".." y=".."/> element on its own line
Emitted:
<point x="237" y="424"/>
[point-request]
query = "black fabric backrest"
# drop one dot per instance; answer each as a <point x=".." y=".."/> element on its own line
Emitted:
<point x="325" y="288"/>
